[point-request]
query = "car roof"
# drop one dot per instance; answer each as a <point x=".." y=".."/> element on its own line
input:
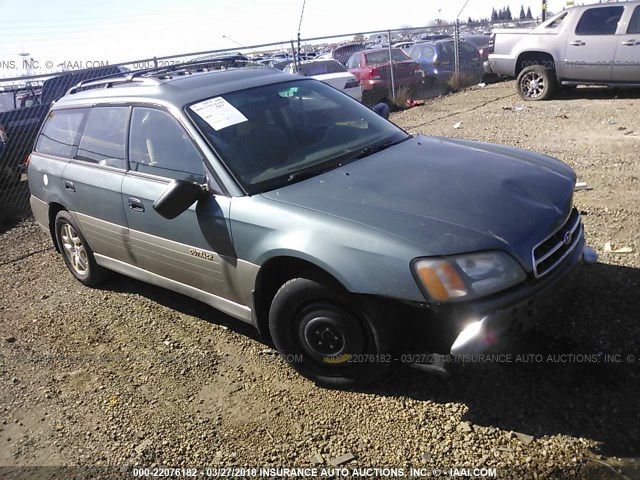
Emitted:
<point x="175" y="88"/>
<point x="385" y="49"/>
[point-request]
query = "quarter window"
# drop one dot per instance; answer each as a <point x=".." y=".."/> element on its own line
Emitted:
<point x="600" y="21"/>
<point x="103" y="137"/>
<point x="60" y="133"/>
<point x="159" y="145"/>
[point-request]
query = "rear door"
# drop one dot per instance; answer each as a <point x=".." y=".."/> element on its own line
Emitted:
<point x="92" y="180"/>
<point x="627" y="65"/>
<point x="195" y="248"/>
<point x="591" y="47"/>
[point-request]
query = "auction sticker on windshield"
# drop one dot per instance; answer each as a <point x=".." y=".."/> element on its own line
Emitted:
<point x="218" y="113"/>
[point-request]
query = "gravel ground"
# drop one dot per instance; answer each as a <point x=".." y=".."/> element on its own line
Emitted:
<point x="131" y="374"/>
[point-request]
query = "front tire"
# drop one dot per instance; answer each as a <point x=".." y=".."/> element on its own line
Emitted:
<point x="536" y="83"/>
<point x="76" y="252"/>
<point x="327" y="336"/>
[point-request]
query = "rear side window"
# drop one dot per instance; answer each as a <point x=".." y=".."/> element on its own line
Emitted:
<point x="159" y="145"/>
<point x="634" y="24"/>
<point x="60" y="133"/>
<point x="600" y="21"/>
<point x="104" y="136"/>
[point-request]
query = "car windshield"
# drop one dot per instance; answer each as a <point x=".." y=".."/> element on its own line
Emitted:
<point x="555" y="21"/>
<point x="272" y="135"/>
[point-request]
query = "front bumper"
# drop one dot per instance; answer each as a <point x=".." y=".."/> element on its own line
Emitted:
<point x="512" y="314"/>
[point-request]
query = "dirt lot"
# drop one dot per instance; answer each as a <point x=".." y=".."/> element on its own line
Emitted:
<point x="132" y="374"/>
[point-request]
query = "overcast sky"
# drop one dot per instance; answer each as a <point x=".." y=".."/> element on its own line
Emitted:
<point x="120" y="30"/>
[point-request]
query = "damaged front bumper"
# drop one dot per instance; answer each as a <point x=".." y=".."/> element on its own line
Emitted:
<point x="513" y="313"/>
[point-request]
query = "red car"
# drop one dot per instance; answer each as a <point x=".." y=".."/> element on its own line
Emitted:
<point x="373" y="69"/>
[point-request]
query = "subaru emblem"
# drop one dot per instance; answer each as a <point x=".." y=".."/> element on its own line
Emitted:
<point x="567" y="238"/>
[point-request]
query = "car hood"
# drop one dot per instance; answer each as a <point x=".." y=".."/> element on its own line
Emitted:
<point x="446" y="196"/>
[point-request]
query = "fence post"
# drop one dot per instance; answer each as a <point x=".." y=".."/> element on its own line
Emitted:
<point x="393" y="83"/>
<point x="456" y="48"/>
<point x="295" y="56"/>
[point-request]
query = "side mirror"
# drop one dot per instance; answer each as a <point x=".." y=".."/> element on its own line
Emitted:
<point x="177" y="198"/>
<point x="382" y="109"/>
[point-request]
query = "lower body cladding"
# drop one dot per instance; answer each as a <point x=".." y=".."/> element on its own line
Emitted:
<point x="484" y="325"/>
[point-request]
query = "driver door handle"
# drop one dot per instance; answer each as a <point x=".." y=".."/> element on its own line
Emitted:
<point x="577" y="43"/>
<point x="136" y="205"/>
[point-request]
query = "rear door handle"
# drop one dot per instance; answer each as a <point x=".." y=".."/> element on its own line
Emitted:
<point x="136" y="205"/>
<point x="630" y="43"/>
<point x="577" y="43"/>
<point x="69" y="186"/>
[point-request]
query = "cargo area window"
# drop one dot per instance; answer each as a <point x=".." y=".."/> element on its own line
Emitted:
<point x="59" y="136"/>
<point x="600" y="21"/>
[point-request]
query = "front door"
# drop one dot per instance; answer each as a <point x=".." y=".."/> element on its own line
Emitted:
<point x="194" y="249"/>
<point x="592" y="46"/>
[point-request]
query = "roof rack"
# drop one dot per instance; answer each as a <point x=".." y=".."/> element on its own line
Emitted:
<point x="164" y="72"/>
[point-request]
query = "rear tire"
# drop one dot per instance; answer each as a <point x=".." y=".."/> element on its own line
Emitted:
<point x="536" y="83"/>
<point x="76" y="252"/>
<point x="327" y="335"/>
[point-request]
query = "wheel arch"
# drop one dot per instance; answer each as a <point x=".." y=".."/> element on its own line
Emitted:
<point x="533" y="57"/>
<point x="54" y="209"/>
<point x="274" y="273"/>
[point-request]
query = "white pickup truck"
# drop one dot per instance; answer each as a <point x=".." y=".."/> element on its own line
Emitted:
<point x="588" y="45"/>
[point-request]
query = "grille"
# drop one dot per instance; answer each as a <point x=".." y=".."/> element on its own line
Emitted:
<point x="549" y="253"/>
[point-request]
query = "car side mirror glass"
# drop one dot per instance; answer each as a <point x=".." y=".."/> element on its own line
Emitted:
<point x="382" y="109"/>
<point x="177" y="198"/>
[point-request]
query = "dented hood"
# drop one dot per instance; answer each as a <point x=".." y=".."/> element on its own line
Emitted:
<point x="446" y="196"/>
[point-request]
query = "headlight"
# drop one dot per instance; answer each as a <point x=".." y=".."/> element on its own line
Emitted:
<point x="468" y="276"/>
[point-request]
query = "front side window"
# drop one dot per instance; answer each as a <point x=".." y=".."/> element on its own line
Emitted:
<point x="60" y="134"/>
<point x="158" y="145"/>
<point x="104" y="136"/>
<point x="272" y="135"/>
<point x="599" y="21"/>
<point x="634" y="23"/>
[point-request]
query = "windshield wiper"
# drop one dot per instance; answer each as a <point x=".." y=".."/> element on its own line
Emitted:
<point x="304" y="174"/>
<point x="377" y="147"/>
<point x="363" y="152"/>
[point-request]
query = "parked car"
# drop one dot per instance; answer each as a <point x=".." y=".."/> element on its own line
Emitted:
<point x="343" y="52"/>
<point x="586" y="45"/>
<point x="437" y="62"/>
<point x="330" y="72"/>
<point x="292" y="207"/>
<point x="372" y="68"/>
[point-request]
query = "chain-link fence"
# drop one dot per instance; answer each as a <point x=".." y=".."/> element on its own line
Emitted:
<point x="400" y="67"/>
